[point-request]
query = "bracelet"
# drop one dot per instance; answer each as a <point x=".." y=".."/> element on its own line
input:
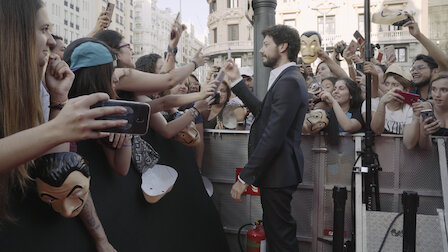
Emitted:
<point x="193" y="113"/>
<point x="195" y="64"/>
<point x="196" y="110"/>
<point x="127" y="145"/>
<point x="57" y="104"/>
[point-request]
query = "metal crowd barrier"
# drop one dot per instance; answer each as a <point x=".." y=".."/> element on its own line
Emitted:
<point x="326" y="166"/>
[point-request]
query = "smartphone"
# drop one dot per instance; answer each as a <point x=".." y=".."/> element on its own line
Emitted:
<point x="137" y="115"/>
<point x="427" y="113"/>
<point x="360" y="67"/>
<point x="402" y="22"/>
<point x="389" y="51"/>
<point x="219" y="77"/>
<point x="358" y="37"/>
<point x="110" y="10"/>
<point x="409" y="98"/>
<point x="229" y="53"/>
<point x="173" y="33"/>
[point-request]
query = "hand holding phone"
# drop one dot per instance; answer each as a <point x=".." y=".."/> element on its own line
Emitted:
<point x="219" y="77"/>
<point x="409" y="98"/>
<point x="137" y="115"/>
<point x="358" y="37"/>
<point x="428" y="113"/>
<point x="110" y="10"/>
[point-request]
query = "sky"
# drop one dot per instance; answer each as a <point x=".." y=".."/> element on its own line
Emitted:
<point x="193" y="11"/>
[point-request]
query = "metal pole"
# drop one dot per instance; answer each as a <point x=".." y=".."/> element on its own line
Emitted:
<point x="410" y="204"/>
<point x="339" y="198"/>
<point x="264" y="16"/>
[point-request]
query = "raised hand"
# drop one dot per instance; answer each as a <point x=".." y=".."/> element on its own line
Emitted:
<point x="78" y="122"/>
<point x="200" y="59"/>
<point x="58" y="78"/>
<point x="231" y="69"/>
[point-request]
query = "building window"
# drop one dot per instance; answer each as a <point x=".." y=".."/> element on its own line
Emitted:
<point x="361" y="24"/>
<point x="290" y="22"/>
<point x="232" y="32"/>
<point x="215" y="35"/>
<point x="212" y="6"/>
<point x="329" y="25"/>
<point x="400" y="54"/>
<point x="232" y="3"/>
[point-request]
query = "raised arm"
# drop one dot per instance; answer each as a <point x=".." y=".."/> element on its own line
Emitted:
<point x="102" y="23"/>
<point x="434" y="51"/>
<point x="146" y="83"/>
<point x="75" y="122"/>
<point x="334" y="67"/>
<point x="173" y="101"/>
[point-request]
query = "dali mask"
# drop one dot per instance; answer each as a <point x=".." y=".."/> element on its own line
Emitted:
<point x="62" y="181"/>
<point x="309" y="45"/>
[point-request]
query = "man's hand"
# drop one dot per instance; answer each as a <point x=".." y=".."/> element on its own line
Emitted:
<point x="237" y="190"/>
<point x="231" y="70"/>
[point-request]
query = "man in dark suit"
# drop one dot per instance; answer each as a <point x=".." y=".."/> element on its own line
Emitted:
<point x="275" y="158"/>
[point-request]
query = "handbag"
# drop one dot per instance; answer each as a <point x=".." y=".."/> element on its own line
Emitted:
<point x="188" y="136"/>
<point x="143" y="155"/>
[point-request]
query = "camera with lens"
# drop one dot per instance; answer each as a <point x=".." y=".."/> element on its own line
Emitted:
<point x="340" y="49"/>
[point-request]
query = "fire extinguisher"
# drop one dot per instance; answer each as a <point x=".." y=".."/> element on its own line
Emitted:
<point x="256" y="238"/>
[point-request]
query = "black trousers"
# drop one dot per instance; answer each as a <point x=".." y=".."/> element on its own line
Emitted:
<point x="279" y="225"/>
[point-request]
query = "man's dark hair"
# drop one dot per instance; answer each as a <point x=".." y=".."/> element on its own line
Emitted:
<point x="311" y="33"/>
<point x="432" y="64"/>
<point x="54" y="168"/>
<point x="55" y="37"/>
<point x="285" y="34"/>
<point x="147" y="63"/>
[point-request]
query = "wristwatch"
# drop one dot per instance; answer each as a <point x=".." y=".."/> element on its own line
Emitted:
<point x="171" y="50"/>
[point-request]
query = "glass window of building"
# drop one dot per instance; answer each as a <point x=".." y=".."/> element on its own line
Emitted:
<point x="232" y="3"/>
<point x="400" y="54"/>
<point x="328" y="22"/>
<point x="233" y="32"/>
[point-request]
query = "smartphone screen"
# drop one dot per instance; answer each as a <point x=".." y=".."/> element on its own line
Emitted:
<point x="426" y="113"/>
<point x="359" y="37"/>
<point x="110" y="10"/>
<point x="229" y="53"/>
<point x="137" y="115"/>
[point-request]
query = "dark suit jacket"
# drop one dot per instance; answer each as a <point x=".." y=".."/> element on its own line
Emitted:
<point x="275" y="157"/>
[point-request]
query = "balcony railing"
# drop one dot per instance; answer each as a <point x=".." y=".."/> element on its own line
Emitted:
<point x="235" y="46"/>
<point x="328" y="40"/>
<point x="402" y="36"/>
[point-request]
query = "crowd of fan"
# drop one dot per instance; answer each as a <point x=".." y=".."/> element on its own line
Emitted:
<point x="182" y="107"/>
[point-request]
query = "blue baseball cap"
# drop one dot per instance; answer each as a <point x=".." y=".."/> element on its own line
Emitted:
<point x="90" y="54"/>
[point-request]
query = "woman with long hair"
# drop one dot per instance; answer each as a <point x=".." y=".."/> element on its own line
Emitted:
<point x="23" y="137"/>
<point x="436" y="125"/>
<point x="345" y="115"/>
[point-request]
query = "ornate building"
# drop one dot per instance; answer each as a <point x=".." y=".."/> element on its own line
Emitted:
<point x="229" y="28"/>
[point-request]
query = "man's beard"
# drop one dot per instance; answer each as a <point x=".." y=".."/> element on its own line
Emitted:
<point x="271" y="61"/>
<point x="422" y="84"/>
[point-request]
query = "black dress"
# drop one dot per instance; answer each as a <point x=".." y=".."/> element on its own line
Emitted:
<point x="184" y="220"/>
